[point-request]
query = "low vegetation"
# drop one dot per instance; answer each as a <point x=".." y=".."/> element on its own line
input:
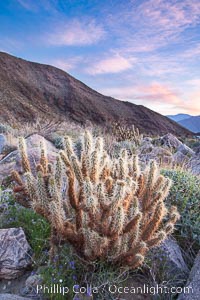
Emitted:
<point x="92" y="202"/>
<point x="185" y="194"/>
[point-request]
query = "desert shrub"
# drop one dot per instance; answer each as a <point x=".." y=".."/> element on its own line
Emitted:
<point x="185" y="194"/>
<point x="107" y="209"/>
<point x="124" y="132"/>
<point x="43" y="127"/>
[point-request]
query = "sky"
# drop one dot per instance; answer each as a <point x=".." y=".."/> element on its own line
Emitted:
<point x="146" y="52"/>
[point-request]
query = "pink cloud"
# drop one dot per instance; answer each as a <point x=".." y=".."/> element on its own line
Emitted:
<point x="195" y="82"/>
<point x="76" y="33"/>
<point x="154" y="92"/>
<point x="114" y="64"/>
<point x="192" y="106"/>
<point x="159" y="93"/>
<point x="158" y="97"/>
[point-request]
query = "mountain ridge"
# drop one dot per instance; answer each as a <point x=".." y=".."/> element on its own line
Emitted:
<point x="29" y="90"/>
<point x="192" y="123"/>
<point x="178" y="117"/>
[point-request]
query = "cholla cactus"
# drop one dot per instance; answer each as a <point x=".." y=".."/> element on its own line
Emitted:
<point x="127" y="133"/>
<point x="110" y="208"/>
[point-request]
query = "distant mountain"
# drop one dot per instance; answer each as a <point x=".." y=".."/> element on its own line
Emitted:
<point x="178" y="117"/>
<point x="192" y="123"/>
<point x="30" y="90"/>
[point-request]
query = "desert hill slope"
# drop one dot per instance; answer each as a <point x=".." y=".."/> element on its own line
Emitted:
<point x="29" y="90"/>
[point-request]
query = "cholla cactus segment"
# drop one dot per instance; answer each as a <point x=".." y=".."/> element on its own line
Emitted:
<point x="31" y="187"/>
<point x="110" y="209"/>
<point x="24" y="156"/>
<point x="58" y="171"/>
<point x="68" y="146"/>
<point x="88" y="142"/>
<point x="43" y="157"/>
<point x="16" y="177"/>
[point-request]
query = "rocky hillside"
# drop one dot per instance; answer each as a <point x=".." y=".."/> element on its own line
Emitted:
<point x="30" y="90"/>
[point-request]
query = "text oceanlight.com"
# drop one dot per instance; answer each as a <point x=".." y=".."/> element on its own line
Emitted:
<point x="113" y="289"/>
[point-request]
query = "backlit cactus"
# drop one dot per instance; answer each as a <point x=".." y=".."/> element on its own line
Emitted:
<point x="107" y="208"/>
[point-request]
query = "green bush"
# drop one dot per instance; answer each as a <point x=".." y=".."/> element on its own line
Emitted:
<point x="185" y="194"/>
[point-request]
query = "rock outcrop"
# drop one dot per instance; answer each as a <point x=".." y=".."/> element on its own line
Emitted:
<point x="168" y="260"/>
<point x="192" y="288"/>
<point x="15" y="253"/>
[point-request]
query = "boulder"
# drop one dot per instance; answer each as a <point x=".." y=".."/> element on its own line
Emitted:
<point x="179" y="158"/>
<point x="13" y="160"/>
<point x="167" y="260"/>
<point x="15" y="253"/>
<point x="30" y="288"/>
<point x="194" y="165"/>
<point x="161" y="155"/>
<point x="34" y="140"/>
<point x="12" y="297"/>
<point x="2" y="142"/>
<point x="146" y="147"/>
<point x="197" y="150"/>
<point x="185" y="150"/>
<point x="33" y="280"/>
<point x="192" y="288"/>
<point x="170" y="141"/>
<point x="161" y="152"/>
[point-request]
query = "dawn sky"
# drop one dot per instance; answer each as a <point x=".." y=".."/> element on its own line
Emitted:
<point x="146" y="52"/>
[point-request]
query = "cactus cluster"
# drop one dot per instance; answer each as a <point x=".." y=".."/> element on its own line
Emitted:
<point x="106" y="208"/>
<point x="124" y="132"/>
